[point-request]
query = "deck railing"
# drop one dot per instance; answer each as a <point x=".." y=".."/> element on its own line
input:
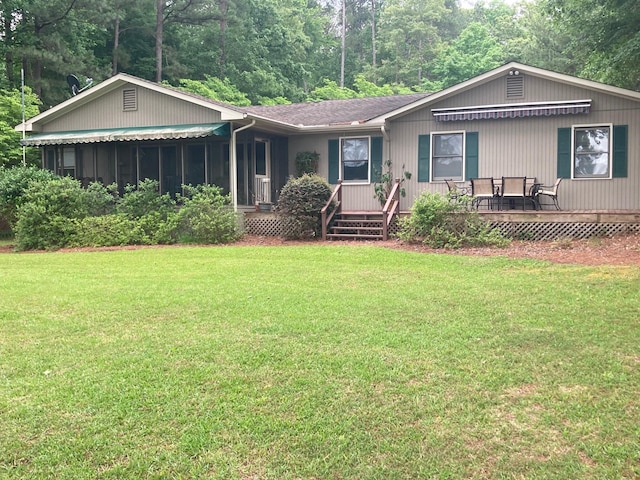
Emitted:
<point x="391" y="209"/>
<point x="331" y="208"/>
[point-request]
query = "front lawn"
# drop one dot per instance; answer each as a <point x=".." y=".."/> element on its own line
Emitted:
<point x="316" y="362"/>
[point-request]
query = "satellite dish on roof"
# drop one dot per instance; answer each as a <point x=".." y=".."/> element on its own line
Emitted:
<point x="74" y="84"/>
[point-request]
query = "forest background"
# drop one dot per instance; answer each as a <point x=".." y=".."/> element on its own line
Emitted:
<point x="278" y="51"/>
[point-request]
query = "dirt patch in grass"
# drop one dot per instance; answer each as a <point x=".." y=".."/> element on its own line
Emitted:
<point x="617" y="250"/>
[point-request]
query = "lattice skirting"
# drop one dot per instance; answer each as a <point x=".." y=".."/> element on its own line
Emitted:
<point x="554" y="231"/>
<point x="268" y="225"/>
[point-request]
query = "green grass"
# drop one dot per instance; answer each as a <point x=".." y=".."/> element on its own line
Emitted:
<point x="316" y="362"/>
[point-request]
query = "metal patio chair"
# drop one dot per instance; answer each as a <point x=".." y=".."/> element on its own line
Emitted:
<point x="482" y="189"/>
<point x="512" y="188"/>
<point x="550" y="191"/>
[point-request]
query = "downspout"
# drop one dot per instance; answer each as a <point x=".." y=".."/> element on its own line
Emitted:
<point x="234" y="164"/>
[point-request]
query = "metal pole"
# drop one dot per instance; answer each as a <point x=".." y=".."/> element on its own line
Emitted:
<point x="24" y="127"/>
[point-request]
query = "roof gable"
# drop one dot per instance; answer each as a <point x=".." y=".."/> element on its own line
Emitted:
<point x="227" y="112"/>
<point x="504" y="70"/>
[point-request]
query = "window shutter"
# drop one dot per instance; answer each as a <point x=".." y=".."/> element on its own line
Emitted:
<point x="619" y="151"/>
<point x="424" y="157"/>
<point x="334" y="161"/>
<point x="376" y="158"/>
<point x="471" y="160"/>
<point x="564" y="153"/>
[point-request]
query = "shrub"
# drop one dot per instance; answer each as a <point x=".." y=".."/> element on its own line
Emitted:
<point x="300" y="204"/>
<point x="137" y="202"/>
<point x="101" y="200"/>
<point x="439" y="222"/>
<point x="206" y="216"/>
<point x="13" y="183"/>
<point x="107" y="231"/>
<point x="48" y="212"/>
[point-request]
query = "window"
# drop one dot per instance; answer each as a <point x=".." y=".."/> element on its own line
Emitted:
<point x="354" y="165"/>
<point x="592" y="151"/>
<point x="447" y="158"/>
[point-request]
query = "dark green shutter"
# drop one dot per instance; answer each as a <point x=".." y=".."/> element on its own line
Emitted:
<point x="424" y="157"/>
<point x="619" y="169"/>
<point x="334" y="161"/>
<point x="564" y="153"/>
<point x="376" y="158"/>
<point x="471" y="160"/>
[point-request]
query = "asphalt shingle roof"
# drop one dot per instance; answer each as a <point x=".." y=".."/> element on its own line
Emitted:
<point x="334" y="112"/>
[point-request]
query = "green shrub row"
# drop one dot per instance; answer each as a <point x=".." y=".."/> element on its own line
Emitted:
<point x="49" y="212"/>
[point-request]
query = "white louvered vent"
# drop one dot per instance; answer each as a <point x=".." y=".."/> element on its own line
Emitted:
<point x="129" y="99"/>
<point x="515" y="86"/>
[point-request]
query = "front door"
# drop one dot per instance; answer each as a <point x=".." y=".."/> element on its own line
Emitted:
<point x="262" y="175"/>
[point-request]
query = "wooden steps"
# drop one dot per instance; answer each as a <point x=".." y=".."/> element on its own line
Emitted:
<point x="357" y="225"/>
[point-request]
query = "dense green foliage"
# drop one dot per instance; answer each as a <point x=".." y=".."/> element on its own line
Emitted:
<point x="206" y="216"/>
<point x="13" y="183"/>
<point x="442" y="222"/>
<point x="299" y="206"/>
<point x="274" y="51"/>
<point x="49" y="212"/>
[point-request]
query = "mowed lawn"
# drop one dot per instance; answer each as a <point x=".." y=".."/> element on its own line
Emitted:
<point x="316" y="362"/>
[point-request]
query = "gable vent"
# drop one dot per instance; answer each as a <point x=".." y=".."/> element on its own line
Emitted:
<point x="129" y="99"/>
<point x="515" y="85"/>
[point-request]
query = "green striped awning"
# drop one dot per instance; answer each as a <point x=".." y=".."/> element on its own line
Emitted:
<point x="166" y="132"/>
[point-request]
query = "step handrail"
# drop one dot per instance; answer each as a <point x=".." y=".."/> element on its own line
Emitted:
<point x="327" y="216"/>
<point x="390" y="209"/>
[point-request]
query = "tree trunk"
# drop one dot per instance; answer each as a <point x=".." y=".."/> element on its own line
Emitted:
<point x="223" y="36"/>
<point x="344" y="35"/>
<point x="373" y="38"/>
<point x="159" y="38"/>
<point x="116" y="44"/>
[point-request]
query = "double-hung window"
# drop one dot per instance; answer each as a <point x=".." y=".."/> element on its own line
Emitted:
<point x="592" y="152"/>
<point x="355" y="159"/>
<point x="447" y="156"/>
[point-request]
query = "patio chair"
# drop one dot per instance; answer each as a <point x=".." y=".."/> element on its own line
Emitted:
<point x="550" y="191"/>
<point x="512" y="188"/>
<point x="482" y="189"/>
<point x="454" y="190"/>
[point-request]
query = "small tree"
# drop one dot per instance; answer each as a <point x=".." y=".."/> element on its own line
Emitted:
<point x="382" y="188"/>
<point x="300" y="204"/>
<point x="14" y="182"/>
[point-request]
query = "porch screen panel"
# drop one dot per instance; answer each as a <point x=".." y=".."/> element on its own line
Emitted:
<point x="149" y="163"/>
<point x="171" y="171"/>
<point x="194" y="164"/>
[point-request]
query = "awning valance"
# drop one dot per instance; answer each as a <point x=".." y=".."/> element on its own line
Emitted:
<point x="512" y="110"/>
<point x="168" y="132"/>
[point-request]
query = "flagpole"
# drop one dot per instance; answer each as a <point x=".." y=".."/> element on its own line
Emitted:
<point x="24" y="127"/>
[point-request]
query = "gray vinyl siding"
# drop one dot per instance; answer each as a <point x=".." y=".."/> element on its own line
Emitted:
<point x="528" y="146"/>
<point x="153" y="109"/>
<point x="355" y="197"/>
